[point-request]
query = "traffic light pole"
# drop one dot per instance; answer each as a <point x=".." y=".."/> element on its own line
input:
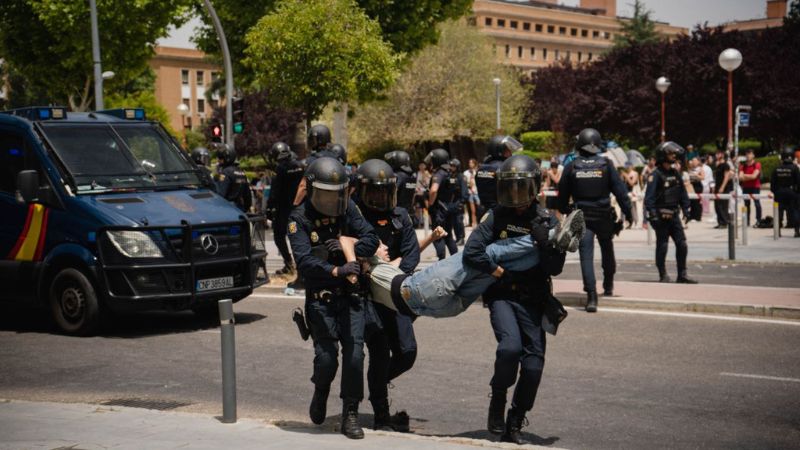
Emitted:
<point x="226" y="58"/>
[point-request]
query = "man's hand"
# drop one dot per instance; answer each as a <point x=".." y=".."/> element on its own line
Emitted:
<point x="347" y="269"/>
<point x="438" y="233"/>
<point x="498" y="273"/>
<point x="382" y="252"/>
<point x="333" y="245"/>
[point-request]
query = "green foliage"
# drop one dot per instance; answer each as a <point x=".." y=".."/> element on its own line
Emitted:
<point x="445" y="91"/>
<point x="768" y="165"/>
<point x="307" y="65"/>
<point x="47" y="44"/>
<point x="638" y="30"/>
<point x="195" y="139"/>
<point x="143" y="99"/>
<point x="538" y="141"/>
<point x="544" y="156"/>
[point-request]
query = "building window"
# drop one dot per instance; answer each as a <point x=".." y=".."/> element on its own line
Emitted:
<point x="573" y="31"/>
<point x="544" y="54"/>
<point x="472" y="21"/>
<point x="513" y="24"/>
<point x="188" y="103"/>
<point x="184" y="76"/>
<point x="551" y="29"/>
<point x="538" y="28"/>
<point x="562" y="30"/>
<point x="526" y="26"/>
<point x="200" y="77"/>
<point x="584" y="33"/>
<point x="595" y="34"/>
<point x="533" y="53"/>
<point x="569" y="56"/>
<point x="556" y="55"/>
<point x="201" y="106"/>
<point x="580" y="56"/>
<point x="606" y="35"/>
<point x="487" y="21"/>
<point x="519" y="52"/>
<point x="501" y="23"/>
<point x="590" y="56"/>
<point x="508" y="50"/>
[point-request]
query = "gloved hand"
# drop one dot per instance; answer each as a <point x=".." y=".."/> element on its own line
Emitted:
<point x="540" y="232"/>
<point x="687" y="217"/>
<point x="347" y="269"/>
<point x="333" y="245"/>
<point x="270" y="214"/>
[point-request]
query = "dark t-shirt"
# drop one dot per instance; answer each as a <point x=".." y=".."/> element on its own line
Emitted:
<point x="719" y="177"/>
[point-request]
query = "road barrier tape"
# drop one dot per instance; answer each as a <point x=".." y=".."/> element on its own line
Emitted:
<point x="692" y="196"/>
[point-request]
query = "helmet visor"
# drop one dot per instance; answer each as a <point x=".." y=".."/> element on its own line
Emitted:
<point x="515" y="190"/>
<point x="512" y="144"/>
<point x="380" y="197"/>
<point x="329" y="199"/>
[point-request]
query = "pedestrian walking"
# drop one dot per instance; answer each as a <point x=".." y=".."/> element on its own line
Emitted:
<point x="723" y="184"/>
<point x="750" y="179"/>
<point x="696" y="179"/>
<point x="550" y="185"/>
<point x="473" y="201"/>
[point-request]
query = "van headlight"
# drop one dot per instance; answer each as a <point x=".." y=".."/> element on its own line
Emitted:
<point x="135" y="244"/>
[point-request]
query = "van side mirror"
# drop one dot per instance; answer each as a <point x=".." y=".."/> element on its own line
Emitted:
<point x="28" y="185"/>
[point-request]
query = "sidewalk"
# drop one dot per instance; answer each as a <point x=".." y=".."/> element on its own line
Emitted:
<point x="29" y="425"/>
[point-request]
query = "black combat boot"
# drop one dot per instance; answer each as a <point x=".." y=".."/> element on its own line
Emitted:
<point x="663" y="277"/>
<point x="497" y="407"/>
<point x="287" y="269"/>
<point x="297" y="284"/>
<point x="684" y="279"/>
<point x="319" y="405"/>
<point x="350" y="426"/>
<point x="608" y="287"/>
<point x="513" y="430"/>
<point x="383" y="419"/>
<point x="591" y="301"/>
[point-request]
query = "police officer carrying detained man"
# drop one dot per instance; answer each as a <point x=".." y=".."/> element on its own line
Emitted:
<point x="334" y="307"/>
<point x="233" y="183"/>
<point x="393" y="347"/>
<point x="665" y="195"/>
<point x="516" y="300"/>
<point x="288" y="173"/>
<point x="441" y="194"/>
<point x="589" y="180"/>
<point x="785" y="185"/>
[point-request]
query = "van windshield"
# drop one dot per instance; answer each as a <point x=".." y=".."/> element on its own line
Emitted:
<point x="103" y="157"/>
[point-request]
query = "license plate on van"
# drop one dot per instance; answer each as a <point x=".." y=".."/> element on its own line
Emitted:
<point x="212" y="284"/>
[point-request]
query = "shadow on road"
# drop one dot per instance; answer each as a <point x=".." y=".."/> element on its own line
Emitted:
<point x="22" y="319"/>
<point x="486" y="436"/>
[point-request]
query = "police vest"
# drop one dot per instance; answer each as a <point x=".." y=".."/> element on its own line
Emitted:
<point x="445" y="193"/>
<point x="324" y="228"/>
<point x="406" y="188"/>
<point x="668" y="188"/>
<point x="455" y="185"/>
<point x="507" y="224"/>
<point x="389" y="227"/>
<point x="784" y="177"/>
<point x="590" y="178"/>
<point x="486" y="182"/>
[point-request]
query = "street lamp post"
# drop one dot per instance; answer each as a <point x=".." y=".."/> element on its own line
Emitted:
<point x="496" y="82"/>
<point x="98" y="71"/>
<point x="662" y="84"/>
<point x="730" y="60"/>
<point x="183" y="110"/>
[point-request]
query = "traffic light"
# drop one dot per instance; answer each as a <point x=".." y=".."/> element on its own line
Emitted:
<point x="238" y="113"/>
<point x="216" y="132"/>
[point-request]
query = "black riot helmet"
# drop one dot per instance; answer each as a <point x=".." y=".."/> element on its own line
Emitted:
<point x="399" y="160"/>
<point x="226" y="155"/>
<point x="589" y="142"/>
<point x="340" y="152"/>
<point x="665" y="149"/>
<point x="499" y="145"/>
<point x="201" y="156"/>
<point x="377" y="185"/>
<point x="787" y="154"/>
<point x="517" y="181"/>
<point x="455" y="164"/>
<point x="319" y="136"/>
<point x="326" y="184"/>
<point x="280" y="151"/>
<point x="438" y="157"/>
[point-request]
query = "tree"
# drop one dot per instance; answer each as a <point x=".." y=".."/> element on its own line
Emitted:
<point x="638" y="30"/>
<point x="47" y="43"/>
<point x="307" y="65"/>
<point x="446" y="91"/>
<point x="145" y="99"/>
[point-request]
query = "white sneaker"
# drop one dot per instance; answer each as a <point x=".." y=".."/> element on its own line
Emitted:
<point x="569" y="232"/>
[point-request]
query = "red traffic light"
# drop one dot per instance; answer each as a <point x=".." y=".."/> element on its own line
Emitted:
<point x="216" y="131"/>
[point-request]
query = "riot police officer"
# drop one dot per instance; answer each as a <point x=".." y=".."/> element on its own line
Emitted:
<point x="460" y="196"/>
<point x="665" y="195"/>
<point x="441" y="194"/>
<point x="392" y="349"/>
<point x="202" y="158"/>
<point x="785" y="185"/>
<point x="588" y="180"/>
<point x="319" y="144"/>
<point x="516" y="300"/>
<point x="335" y="314"/>
<point x="288" y="173"/>
<point x="233" y="183"/>
<point x="400" y="162"/>
<point x="499" y="149"/>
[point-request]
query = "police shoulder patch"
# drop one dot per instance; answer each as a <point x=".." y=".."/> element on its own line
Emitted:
<point x="292" y="227"/>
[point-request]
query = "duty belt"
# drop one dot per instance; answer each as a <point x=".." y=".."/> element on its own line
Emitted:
<point x="326" y="295"/>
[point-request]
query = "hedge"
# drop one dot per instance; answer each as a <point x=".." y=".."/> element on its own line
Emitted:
<point x="538" y="141"/>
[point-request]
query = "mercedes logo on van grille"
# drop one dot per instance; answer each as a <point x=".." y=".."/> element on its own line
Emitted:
<point x="209" y="244"/>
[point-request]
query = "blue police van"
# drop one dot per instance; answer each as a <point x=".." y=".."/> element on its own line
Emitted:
<point x="102" y="212"/>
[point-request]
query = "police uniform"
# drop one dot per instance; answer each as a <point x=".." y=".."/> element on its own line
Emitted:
<point x="460" y="193"/>
<point x="234" y="187"/>
<point x="515" y="302"/>
<point x="393" y="349"/>
<point x="406" y="188"/>
<point x="486" y="182"/>
<point x="333" y="316"/>
<point x="664" y="197"/>
<point x="281" y="198"/>
<point x="785" y="184"/>
<point x="439" y="212"/>
<point x="206" y="178"/>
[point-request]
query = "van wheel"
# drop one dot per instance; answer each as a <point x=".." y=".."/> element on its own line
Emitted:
<point x="73" y="302"/>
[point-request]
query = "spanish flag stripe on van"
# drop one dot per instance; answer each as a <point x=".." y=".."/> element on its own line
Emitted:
<point x="42" y="236"/>
<point x="32" y="236"/>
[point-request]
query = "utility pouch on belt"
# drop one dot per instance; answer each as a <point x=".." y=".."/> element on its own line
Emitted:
<point x="666" y="214"/>
<point x="300" y="320"/>
<point x="553" y="312"/>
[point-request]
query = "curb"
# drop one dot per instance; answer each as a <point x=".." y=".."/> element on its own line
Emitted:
<point x="579" y="300"/>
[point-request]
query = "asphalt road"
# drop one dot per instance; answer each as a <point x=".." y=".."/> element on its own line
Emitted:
<point x="613" y="380"/>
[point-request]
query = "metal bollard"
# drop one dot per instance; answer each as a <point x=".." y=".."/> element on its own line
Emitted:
<point x="744" y="225"/>
<point x="228" y="340"/>
<point x="731" y="240"/>
<point x="776" y="221"/>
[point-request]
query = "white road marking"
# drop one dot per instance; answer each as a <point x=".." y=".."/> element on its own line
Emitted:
<point x="694" y="316"/>
<point x="296" y="296"/>
<point x="759" y="377"/>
